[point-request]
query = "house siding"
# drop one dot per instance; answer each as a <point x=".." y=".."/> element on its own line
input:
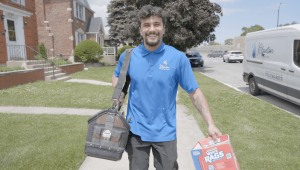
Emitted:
<point x="57" y="15"/>
<point x="63" y="40"/>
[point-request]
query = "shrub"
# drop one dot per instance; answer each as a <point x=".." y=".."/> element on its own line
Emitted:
<point x="6" y="69"/>
<point x="42" y="49"/>
<point x="121" y="50"/>
<point x="88" y="51"/>
<point x="105" y="45"/>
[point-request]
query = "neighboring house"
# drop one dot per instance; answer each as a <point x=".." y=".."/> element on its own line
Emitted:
<point x="62" y="24"/>
<point x="95" y="30"/>
<point x="18" y="29"/>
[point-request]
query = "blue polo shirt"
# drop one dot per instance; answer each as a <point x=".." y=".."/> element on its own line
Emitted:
<point x="152" y="95"/>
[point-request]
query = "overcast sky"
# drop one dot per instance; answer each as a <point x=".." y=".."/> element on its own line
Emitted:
<point x="237" y="14"/>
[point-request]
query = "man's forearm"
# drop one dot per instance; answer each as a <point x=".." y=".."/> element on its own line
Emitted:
<point x="201" y="105"/>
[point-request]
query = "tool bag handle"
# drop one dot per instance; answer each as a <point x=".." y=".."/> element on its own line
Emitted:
<point x="119" y="87"/>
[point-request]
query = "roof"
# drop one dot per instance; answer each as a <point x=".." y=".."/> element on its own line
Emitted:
<point x="94" y="25"/>
<point x="86" y="4"/>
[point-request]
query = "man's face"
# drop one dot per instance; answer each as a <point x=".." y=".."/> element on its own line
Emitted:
<point x="152" y="30"/>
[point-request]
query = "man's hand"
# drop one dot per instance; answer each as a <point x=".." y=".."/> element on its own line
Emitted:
<point x="121" y="100"/>
<point x="213" y="132"/>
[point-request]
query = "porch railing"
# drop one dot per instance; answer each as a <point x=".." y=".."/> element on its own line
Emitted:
<point x="109" y="50"/>
<point x="33" y="57"/>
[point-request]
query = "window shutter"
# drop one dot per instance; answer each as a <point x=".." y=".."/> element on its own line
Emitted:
<point x="23" y="2"/>
<point x="74" y="8"/>
<point x="83" y="11"/>
<point x="84" y="36"/>
<point x="76" y="37"/>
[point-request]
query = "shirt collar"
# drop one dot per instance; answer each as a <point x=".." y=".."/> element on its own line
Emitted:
<point x="158" y="50"/>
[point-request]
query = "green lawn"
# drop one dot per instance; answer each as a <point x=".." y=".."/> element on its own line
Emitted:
<point x="96" y="73"/>
<point x="58" y="94"/>
<point x="42" y="142"/>
<point x="263" y="136"/>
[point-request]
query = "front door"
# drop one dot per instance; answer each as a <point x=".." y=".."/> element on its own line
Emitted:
<point x="15" y="40"/>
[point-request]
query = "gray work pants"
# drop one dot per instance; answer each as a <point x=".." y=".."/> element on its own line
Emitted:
<point x="164" y="153"/>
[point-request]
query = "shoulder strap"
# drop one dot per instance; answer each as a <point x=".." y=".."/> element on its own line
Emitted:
<point x="119" y="86"/>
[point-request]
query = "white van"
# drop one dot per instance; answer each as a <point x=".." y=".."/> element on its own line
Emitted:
<point x="272" y="62"/>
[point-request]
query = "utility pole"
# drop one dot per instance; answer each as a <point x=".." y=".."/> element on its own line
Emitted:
<point x="278" y="14"/>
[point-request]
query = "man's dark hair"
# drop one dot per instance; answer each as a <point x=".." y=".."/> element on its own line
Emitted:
<point x="148" y="11"/>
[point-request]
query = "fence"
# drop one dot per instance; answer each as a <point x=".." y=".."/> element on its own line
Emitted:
<point x="109" y="50"/>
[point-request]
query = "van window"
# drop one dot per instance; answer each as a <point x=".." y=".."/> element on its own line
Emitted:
<point x="236" y="53"/>
<point x="297" y="52"/>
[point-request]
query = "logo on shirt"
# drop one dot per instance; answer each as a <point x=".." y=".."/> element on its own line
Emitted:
<point x="164" y="66"/>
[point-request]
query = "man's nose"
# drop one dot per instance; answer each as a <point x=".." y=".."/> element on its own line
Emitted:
<point x="152" y="28"/>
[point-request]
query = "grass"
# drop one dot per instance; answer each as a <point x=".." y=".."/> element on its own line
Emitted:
<point x="45" y="142"/>
<point x="95" y="73"/>
<point x="7" y="69"/>
<point x="263" y="136"/>
<point x="58" y="94"/>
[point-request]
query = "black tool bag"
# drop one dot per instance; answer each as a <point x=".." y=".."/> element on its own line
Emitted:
<point x="108" y="130"/>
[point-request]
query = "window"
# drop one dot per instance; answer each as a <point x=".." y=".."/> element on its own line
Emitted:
<point x="15" y="1"/>
<point x="11" y="30"/>
<point x="297" y="52"/>
<point x="79" y="11"/>
<point x="80" y="38"/>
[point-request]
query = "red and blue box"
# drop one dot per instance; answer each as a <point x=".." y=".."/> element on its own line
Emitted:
<point x="208" y="155"/>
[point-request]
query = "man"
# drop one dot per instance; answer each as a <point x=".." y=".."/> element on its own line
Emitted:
<point x="155" y="70"/>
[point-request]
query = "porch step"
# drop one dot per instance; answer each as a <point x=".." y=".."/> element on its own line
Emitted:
<point x="55" y="77"/>
<point x="65" y="78"/>
<point x="49" y="72"/>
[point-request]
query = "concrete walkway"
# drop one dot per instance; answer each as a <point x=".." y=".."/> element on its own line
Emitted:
<point x="188" y="133"/>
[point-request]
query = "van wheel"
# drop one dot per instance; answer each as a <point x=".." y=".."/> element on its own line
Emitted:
<point x="241" y="61"/>
<point x="253" y="88"/>
<point x="223" y="59"/>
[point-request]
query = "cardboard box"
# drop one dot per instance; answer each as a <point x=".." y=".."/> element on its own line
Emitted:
<point x="208" y="155"/>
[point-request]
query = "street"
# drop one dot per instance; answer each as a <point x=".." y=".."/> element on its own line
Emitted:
<point x="231" y="74"/>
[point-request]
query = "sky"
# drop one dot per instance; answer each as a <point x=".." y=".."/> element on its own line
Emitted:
<point x="236" y="15"/>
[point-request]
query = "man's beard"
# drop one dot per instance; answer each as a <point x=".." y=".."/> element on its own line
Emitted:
<point x="152" y="44"/>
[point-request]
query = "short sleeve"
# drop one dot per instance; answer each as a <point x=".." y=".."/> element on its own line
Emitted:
<point x="186" y="76"/>
<point x="119" y="66"/>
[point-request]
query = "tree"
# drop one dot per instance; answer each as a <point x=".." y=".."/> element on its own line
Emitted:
<point x="117" y="19"/>
<point x="229" y="41"/>
<point x="287" y="24"/>
<point x="251" y="29"/>
<point x="213" y="43"/>
<point x="188" y="22"/>
<point x="294" y="22"/>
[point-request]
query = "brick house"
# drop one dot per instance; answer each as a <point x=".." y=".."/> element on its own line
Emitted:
<point x="62" y="24"/>
<point x="18" y="28"/>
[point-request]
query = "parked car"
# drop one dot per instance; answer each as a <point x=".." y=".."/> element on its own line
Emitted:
<point x="233" y="56"/>
<point x="195" y="58"/>
<point x="272" y="62"/>
<point x="216" y="54"/>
